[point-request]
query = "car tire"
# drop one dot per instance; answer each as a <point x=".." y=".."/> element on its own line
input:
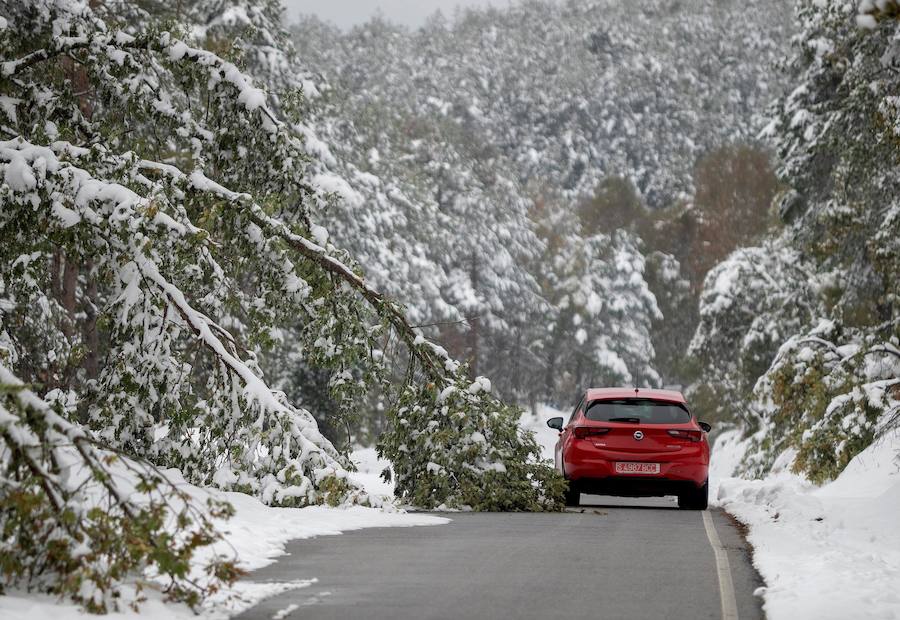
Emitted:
<point x="572" y="496"/>
<point x="695" y="499"/>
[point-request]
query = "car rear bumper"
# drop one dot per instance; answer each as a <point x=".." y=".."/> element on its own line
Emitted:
<point x="596" y="470"/>
<point x="634" y="486"/>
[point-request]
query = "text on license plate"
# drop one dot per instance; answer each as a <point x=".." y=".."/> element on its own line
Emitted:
<point x="637" y="468"/>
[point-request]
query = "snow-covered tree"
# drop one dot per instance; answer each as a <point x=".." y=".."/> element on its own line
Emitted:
<point x="597" y="328"/>
<point x="672" y="328"/>
<point x="811" y="318"/>
<point x="835" y="134"/>
<point x="573" y="92"/>
<point x="751" y="303"/>
<point x="829" y="393"/>
<point x="127" y="224"/>
<point x="493" y="241"/>
<point x="457" y="239"/>
<point x="77" y="518"/>
<point x="468" y="122"/>
<point x="158" y="210"/>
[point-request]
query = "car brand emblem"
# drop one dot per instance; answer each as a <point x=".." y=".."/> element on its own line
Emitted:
<point x="638" y="435"/>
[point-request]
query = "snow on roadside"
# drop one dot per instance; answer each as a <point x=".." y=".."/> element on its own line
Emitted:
<point x="257" y="534"/>
<point x="830" y="551"/>
<point x="368" y="472"/>
<point x="727" y="451"/>
<point x="546" y="436"/>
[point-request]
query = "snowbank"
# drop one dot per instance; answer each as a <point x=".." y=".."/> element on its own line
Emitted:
<point x="825" y="552"/>
<point x="257" y="534"/>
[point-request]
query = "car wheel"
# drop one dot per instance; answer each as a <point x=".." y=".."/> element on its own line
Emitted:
<point x="695" y="499"/>
<point x="572" y="495"/>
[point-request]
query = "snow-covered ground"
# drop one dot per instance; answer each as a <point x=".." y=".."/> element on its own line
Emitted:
<point x="257" y="534"/>
<point x="537" y="423"/>
<point x="368" y="474"/>
<point x="830" y="551"/>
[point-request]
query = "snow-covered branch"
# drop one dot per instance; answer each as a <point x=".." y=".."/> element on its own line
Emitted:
<point x="94" y="494"/>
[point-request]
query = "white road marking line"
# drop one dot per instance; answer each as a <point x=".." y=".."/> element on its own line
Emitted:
<point x="726" y="585"/>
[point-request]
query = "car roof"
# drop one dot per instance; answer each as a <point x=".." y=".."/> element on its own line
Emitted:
<point x="630" y="392"/>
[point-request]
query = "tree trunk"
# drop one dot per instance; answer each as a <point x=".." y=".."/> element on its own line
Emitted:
<point x="55" y="278"/>
<point x="91" y="337"/>
<point x="68" y="293"/>
<point x="474" y="324"/>
<point x="68" y="297"/>
<point x="516" y="362"/>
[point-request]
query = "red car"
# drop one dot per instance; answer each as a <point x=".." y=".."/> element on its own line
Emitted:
<point x="635" y="443"/>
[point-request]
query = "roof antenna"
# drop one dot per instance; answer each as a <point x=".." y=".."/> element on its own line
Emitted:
<point x="635" y="391"/>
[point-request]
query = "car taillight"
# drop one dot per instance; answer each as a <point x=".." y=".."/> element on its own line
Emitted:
<point x="583" y="432"/>
<point x="689" y="435"/>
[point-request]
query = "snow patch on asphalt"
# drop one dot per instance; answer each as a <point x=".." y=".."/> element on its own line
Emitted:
<point x="830" y="551"/>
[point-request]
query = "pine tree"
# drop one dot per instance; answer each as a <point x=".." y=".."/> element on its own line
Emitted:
<point x="158" y="210"/>
<point x="598" y="327"/>
<point x="809" y="320"/>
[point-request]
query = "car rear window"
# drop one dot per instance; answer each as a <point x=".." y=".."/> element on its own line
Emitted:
<point x="642" y="410"/>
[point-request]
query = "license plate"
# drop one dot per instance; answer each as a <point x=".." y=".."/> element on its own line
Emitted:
<point x="637" y="468"/>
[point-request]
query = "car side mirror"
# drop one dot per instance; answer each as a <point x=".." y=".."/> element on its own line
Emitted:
<point x="706" y="427"/>
<point x="556" y="423"/>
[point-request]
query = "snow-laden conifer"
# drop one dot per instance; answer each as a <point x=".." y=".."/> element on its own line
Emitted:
<point x="596" y="331"/>
<point x="805" y="329"/>
<point x="159" y="213"/>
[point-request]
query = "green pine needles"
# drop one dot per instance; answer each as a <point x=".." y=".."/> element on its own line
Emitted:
<point x="461" y="448"/>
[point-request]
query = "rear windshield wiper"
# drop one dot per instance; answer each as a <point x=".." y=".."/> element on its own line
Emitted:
<point x="632" y="420"/>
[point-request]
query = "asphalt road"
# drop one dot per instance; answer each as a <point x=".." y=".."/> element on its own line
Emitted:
<point x="612" y="559"/>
